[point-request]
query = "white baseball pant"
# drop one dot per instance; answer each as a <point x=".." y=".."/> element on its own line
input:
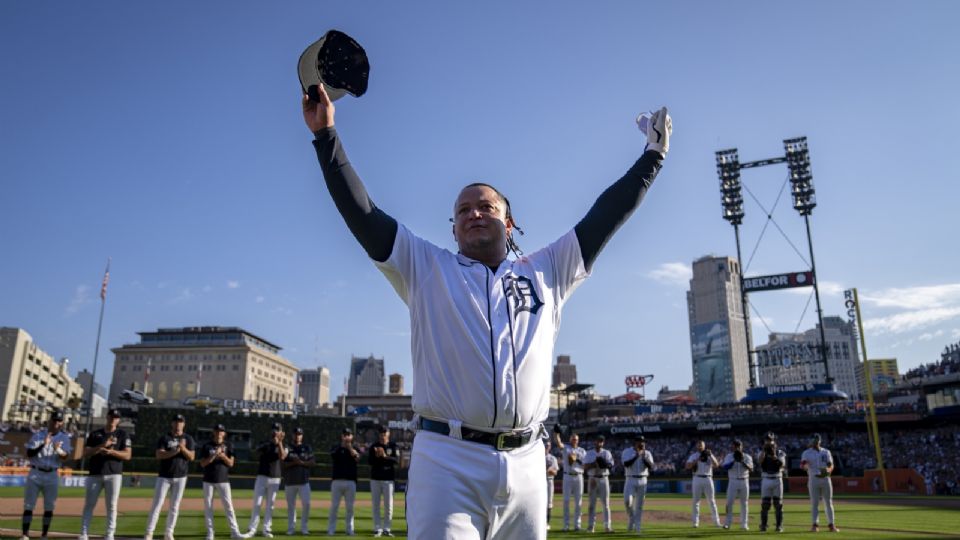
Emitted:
<point x="821" y="488"/>
<point x="95" y="484"/>
<point x="41" y="482"/>
<point x="346" y="490"/>
<point x="382" y="489"/>
<point x="738" y="488"/>
<point x="550" y="489"/>
<point x="572" y="489"/>
<point x="634" y="493"/>
<point x="703" y="489"/>
<point x="264" y="493"/>
<point x="771" y="488"/>
<point x="175" y="486"/>
<point x="226" y="500"/>
<point x="599" y="490"/>
<point x="292" y="492"/>
<point x="460" y="490"/>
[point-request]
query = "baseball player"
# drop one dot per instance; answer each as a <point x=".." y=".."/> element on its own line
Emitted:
<point x="344" y="486"/>
<point x="270" y="455"/>
<point x="296" y="480"/>
<point x="818" y="462"/>
<point x="383" y="456"/>
<point x="175" y="451"/>
<point x="482" y="332"/>
<point x="216" y="459"/>
<point x="106" y="449"/>
<point x="46" y="450"/>
<point x="738" y="466"/>
<point x="552" y="468"/>
<point x="702" y="462"/>
<point x="772" y="463"/>
<point x="572" y="460"/>
<point x="637" y="465"/>
<point x="597" y="463"/>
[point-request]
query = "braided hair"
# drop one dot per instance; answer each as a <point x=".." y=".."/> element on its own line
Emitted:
<point x="511" y="243"/>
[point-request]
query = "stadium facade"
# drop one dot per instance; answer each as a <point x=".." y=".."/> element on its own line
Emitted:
<point x="32" y="382"/>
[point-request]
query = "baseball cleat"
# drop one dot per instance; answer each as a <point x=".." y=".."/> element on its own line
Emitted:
<point x="815" y="528"/>
<point x="148" y="536"/>
<point x="378" y="533"/>
<point x="24" y="537"/>
<point x="833" y="528"/>
<point x="779" y="528"/>
<point x="387" y="533"/>
<point x="168" y="537"/>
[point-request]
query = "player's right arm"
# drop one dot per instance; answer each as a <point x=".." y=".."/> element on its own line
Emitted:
<point x="371" y="226"/>
<point x="162" y="452"/>
<point x="35" y="445"/>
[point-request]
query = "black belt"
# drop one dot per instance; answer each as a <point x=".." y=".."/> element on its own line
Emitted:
<point x="771" y="477"/>
<point x="704" y="476"/>
<point x="574" y="473"/>
<point x="507" y="440"/>
<point x="637" y="476"/>
<point x="43" y="469"/>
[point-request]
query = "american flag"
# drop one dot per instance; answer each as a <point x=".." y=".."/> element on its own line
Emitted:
<point x="106" y="280"/>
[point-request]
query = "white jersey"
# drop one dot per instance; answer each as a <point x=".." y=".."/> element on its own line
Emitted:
<point x="482" y="341"/>
<point x="638" y="467"/>
<point x="552" y="464"/>
<point x="591" y="457"/>
<point x="702" y="468"/>
<point x="576" y="468"/>
<point x="47" y="458"/>
<point x="737" y="470"/>
<point x="816" y="460"/>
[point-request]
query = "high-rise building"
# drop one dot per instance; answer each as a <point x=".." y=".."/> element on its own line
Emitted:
<point x="884" y="374"/>
<point x="315" y="386"/>
<point x="33" y="383"/>
<point x="366" y="377"/>
<point x="173" y="364"/>
<point x="98" y="402"/>
<point x="718" y="341"/>
<point x="564" y="371"/>
<point x="789" y="358"/>
<point x="396" y="383"/>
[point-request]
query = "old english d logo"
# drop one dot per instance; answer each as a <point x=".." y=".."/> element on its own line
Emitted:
<point x="521" y="294"/>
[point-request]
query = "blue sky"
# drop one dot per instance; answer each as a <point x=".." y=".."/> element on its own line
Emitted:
<point x="169" y="137"/>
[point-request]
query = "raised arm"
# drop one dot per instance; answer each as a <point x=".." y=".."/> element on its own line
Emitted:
<point x="372" y="227"/>
<point x="618" y="201"/>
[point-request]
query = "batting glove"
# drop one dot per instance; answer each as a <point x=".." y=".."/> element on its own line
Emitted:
<point x="659" y="129"/>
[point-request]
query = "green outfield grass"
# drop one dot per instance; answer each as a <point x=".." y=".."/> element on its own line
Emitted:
<point x="666" y="516"/>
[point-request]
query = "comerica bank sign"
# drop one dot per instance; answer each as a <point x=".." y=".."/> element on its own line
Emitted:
<point x="275" y="406"/>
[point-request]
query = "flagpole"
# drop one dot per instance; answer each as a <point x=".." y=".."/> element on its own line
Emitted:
<point x="96" y="354"/>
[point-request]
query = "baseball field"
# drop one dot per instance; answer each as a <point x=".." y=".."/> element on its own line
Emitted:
<point x="665" y="516"/>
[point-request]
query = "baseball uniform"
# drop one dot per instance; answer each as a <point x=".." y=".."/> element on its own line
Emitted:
<point x="703" y="486"/>
<point x="572" y="484"/>
<point x="343" y="486"/>
<point x="45" y="461"/>
<point x="216" y="479"/>
<point x="296" y="480"/>
<point x="172" y="478"/>
<point x="637" y="467"/>
<point x="817" y="462"/>
<point x="265" y="486"/>
<point x="598" y="480"/>
<point x="551" y="465"/>
<point x="105" y="474"/>
<point x="383" y="473"/>
<point x="738" y="466"/>
<point x="771" y="485"/>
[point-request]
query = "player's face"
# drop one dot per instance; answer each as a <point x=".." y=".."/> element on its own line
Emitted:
<point x="177" y="427"/>
<point x="298" y="438"/>
<point x="598" y="444"/>
<point x="113" y="422"/>
<point x="640" y="445"/>
<point x="701" y="446"/>
<point x="54" y="426"/>
<point x="479" y="221"/>
<point x="218" y="436"/>
<point x="385" y="437"/>
<point x="346" y="440"/>
<point x="574" y="441"/>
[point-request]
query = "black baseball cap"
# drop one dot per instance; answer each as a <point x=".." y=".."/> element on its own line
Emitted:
<point x="298" y="431"/>
<point x="639" y="438"/>
<point x="276" y="426"/>
<point x="770" y="436"/>
<point x="383" y="429"/>
<point x="346" y="431"/>
<point x="178" y="418"/>
<point x="114" y="413"/>
<point x="337" y="62"/>
<point x="600" y="438"/>
<point x="56" y="416"/>
<point x="219" y="427"/>
<point x="737" y="442"/>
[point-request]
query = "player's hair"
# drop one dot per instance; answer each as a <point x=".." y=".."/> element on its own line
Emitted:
<point x="511" y="243"/>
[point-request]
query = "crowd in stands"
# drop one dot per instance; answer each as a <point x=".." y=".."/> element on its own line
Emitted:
<point x="949" y="363"/>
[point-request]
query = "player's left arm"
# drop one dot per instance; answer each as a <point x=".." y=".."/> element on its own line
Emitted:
<point x="617" y="202"/>
<point x="125" y="453"/>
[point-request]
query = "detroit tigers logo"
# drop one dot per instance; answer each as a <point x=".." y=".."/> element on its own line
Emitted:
<point x="521" y="294"/>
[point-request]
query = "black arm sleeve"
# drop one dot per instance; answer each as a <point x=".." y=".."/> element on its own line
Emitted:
<point x="631" y="461"/>
<point x="34" y="452"/>
<point x="372" y="227"/>
<point x="615" y="205"/>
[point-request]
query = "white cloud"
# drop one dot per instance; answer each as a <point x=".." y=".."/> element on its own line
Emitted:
<point x="827" y="288"/>
<point x="232" y="284"/>
<point x="672" y="273"/>
<point x="911" y="320"/>
<point x="185" y="296"/>
<point x="207" y="288"/>
<point x="259" y="299"/>
<point x="81" y="296"/>
<point x="955" y="334"/>
<point x="918" y="298"/>
<point x="927" y="336"/>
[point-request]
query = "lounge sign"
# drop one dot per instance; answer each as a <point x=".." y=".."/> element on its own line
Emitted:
<point x="789" y="280"/>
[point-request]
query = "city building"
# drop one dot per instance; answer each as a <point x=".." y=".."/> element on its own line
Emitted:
<point x="564" y="372"/>
<point x="315" y="387"/>
<point x="718" y="341"/>
<point x="366" y="377"/>
<point x="666" y="395"/>
<point x="396" y="383"/>
<point x="789" y="358"/>
<point x="98" y="402"/>
<point x="884" y="374"/>
<point x="174" y="364"/>
<point x="32" y="382"/>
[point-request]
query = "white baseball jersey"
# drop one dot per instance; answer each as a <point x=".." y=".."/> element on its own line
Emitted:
<point x="482" y="341"/>
<point x="702" y="468"/>
<point x="576" y="467"/>
<point x="816" y="460"/>
<point x="638" y="467"/>
<point x="591" y="457"/>
<point x="47" y="458"/>
<point x="737" y="470"/>
<point x="551" y="463"/>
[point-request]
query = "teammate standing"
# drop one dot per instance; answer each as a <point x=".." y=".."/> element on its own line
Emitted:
<point x="175" y="451"/>
<point x="637" y="465"/>
<point x="597" y="463"/>
<point x="344" y="486"/>
<point x="552" y="468"/>
<point x="384" y="457"/>
<point x="482" y="332"/>
<point x="270" y="454"/>
<point x="772" y="463"/>
<point x="702" y="464"/>
<point x="46" y="450"/>
<point x="106" y="449"/>
<point x="572" y="460"/>
<point x="296" y="480"/>
<point x="818" y="462"/>
<point x="216" y="459"/>
<point x="738" y="466"/>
